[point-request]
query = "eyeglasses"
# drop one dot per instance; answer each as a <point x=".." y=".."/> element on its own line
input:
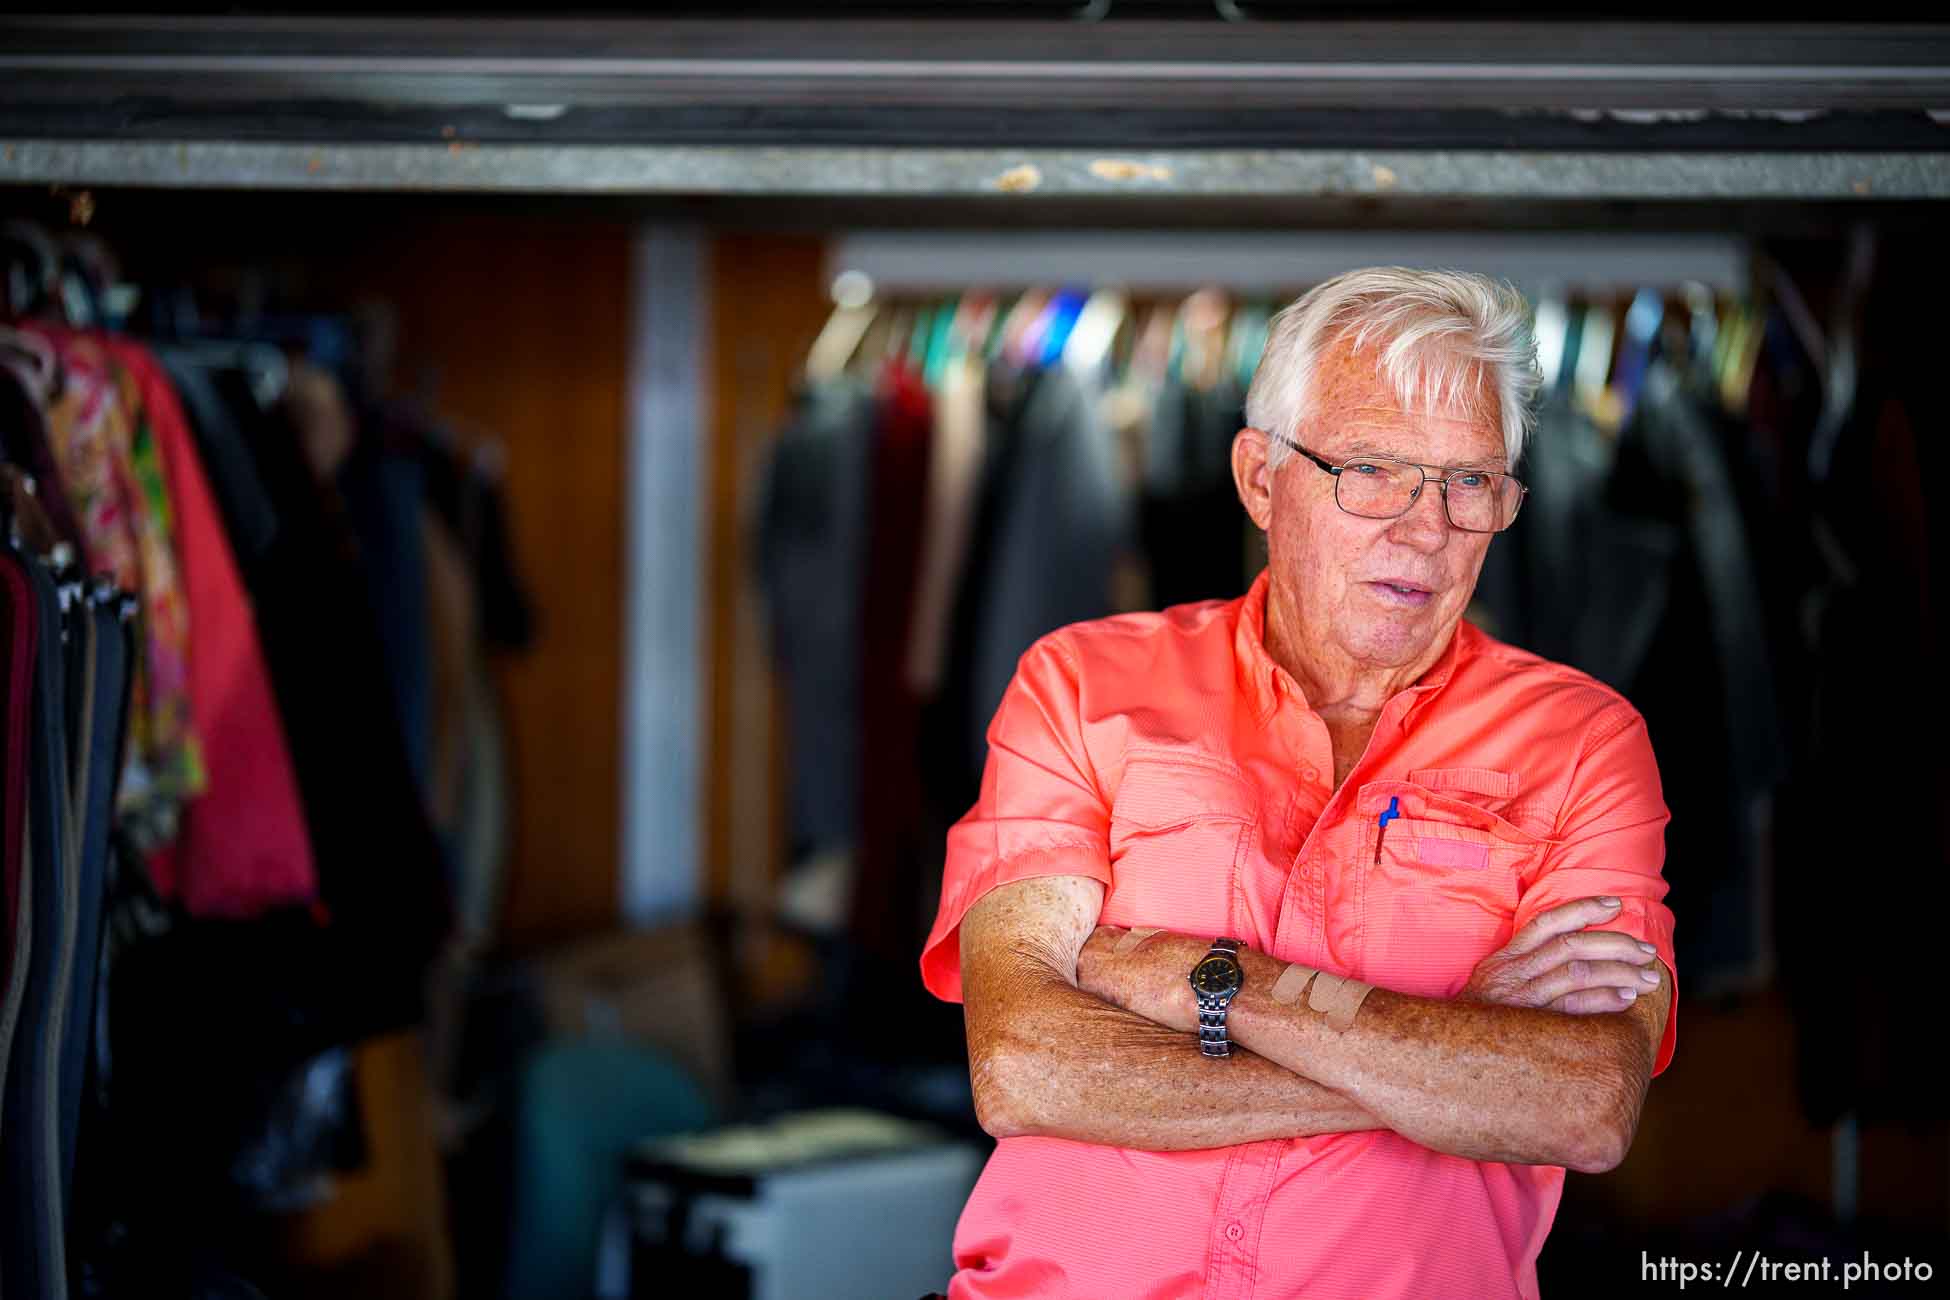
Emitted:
<point x="1475" y="500"/>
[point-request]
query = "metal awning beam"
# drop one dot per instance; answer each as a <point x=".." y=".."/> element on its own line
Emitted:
<point x="981" y="64"/>
<point x="1019" y="175"/>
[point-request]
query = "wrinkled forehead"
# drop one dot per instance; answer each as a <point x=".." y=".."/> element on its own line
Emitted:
<point x="1427" y="404"/>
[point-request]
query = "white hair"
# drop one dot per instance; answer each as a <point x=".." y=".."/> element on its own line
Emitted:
<point x="1442" y="337"/>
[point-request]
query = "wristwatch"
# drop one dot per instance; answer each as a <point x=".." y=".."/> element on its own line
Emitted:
<point x="1215" y="980"/>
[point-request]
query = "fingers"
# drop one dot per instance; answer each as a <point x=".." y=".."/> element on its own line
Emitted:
<point x="1609" y="978"/>
<point x="1565" y="919"/>
<point x="1591" y="1002"/>
<point x="1102" y="936"/>
<point x="1586" y="945"/>
<point x="1610" y="945"/>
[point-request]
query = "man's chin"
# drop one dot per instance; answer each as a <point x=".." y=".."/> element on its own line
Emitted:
<point x="1391" y="642"/>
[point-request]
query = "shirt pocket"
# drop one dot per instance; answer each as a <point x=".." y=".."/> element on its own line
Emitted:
<point x="1179" y="824"/>
<point x="1440" y="887"/>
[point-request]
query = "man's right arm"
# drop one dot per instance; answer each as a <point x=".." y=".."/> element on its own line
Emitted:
<point x="1049" y="1060"/>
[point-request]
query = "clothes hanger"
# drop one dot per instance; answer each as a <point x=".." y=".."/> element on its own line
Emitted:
<point x="998" y="331"/>
<point x="1702" y="328"/>
<point x="974" y="321"/>
<point x="1246" y="340"/>
<point x="854" y="311"/>
<point x="1549" y="326"/>
<point x="1743" y="359"/>
<point x="913" y="351"/>
<point x="1727" y="342"/>
<point x="26" y="525"/>
<point x="1150" y="357"/>
<point x="1203" y="318"/>
<point x="1023" y="317"/>
<point x="32" y="267"/>
<point x="894" y="340"/>
<point x="1095" y="333"/>
<point x="85" y="276"/>
<point x="38" y="365"/>
<point x="1065" y="308"/>
<point x="940" y="343"/>
<point x="263" y="365"/>
<point x="1035" y="333"/>
<point x="1845" y="335"/>
<point x="1572" y="345"/>
<point x="1595" y="336"/>
<point x="1641" y="336"/>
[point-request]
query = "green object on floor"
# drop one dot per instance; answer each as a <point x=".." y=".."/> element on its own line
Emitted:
<point x="584" y="1106"/>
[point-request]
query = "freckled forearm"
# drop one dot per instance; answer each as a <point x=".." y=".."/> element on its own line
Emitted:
<point x="1481" y="1081"/>
<point x="1069" y="1065"/>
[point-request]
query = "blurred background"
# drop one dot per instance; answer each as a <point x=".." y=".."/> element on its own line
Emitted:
<point x="517" y="525"/>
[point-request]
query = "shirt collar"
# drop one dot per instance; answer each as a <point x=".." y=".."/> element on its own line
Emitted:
<point x="1265" y="682"/>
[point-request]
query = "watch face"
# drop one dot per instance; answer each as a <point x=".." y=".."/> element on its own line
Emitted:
<point x="1216" y="975"/>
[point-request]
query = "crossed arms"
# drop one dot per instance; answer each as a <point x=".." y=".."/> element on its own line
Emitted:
<point x="1539" y="1060"/>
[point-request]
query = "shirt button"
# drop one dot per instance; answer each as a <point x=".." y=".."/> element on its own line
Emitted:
<point x="1310" y="773"/>
<point x="1234" y="1232"/>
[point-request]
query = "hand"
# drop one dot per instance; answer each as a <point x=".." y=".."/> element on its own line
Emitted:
<point x="1150" y="980"/>
<point x="1556" y="962"/>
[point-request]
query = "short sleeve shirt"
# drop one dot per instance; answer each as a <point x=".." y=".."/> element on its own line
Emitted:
<point x="1169" y="757"/>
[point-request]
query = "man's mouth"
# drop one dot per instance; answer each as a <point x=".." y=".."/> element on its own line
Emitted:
<point x="1403" y="593"/>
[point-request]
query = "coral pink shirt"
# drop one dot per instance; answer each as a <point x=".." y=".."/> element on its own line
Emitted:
<point x="1169" y="757"/>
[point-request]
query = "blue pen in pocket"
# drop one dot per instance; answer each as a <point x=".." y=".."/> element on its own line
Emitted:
<point x="1393" y="811"/>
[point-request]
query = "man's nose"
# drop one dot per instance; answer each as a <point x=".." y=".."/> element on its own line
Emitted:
<point x="1425" y="524"/>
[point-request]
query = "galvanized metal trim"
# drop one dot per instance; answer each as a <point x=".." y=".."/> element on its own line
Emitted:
<point x="461" y="167"/>
<point x="999" y="64"/>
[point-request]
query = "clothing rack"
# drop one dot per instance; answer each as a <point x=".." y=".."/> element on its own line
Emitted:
<point x="304" y="783"/>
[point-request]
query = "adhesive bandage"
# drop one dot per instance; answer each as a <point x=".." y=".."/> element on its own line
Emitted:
<point x="1338" y="999"/>
<point x="1132" y="938"/>
<point x="1292" y="983"/>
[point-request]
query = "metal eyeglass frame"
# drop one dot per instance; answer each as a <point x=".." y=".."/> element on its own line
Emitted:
<point x="1441" y="479"/>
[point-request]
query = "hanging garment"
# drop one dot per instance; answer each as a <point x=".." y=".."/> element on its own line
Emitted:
<point x="97" y="743"/>
<point x="1631" y="562"/>
<point x="892" y="845"/>
<point x="19" y="639"/>
<point x="1706" y="682"/>
<point x="242" y="848"/>
<point x="452" y="640"/>
<point x="31" y="1140"/>
<point x="464" y="489"/>
<point x="90" y="1191"/>
<point x="1052" y="518"/>
<point x="1877" y="632"/>
<point x="954" y="479"/>
<point x="29" y="374"/>
<point x="250" y="520"/>
<point x="378" y="864"/>
<point x="384" y="490"/>
<point x="106" y="454"/>
<point x="810" y="544"/>
<point x="1581" y="578"/>
<point x="1190" y="522"/>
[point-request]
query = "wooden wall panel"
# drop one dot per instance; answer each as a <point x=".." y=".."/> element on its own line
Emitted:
<point x="768" y="300"/>
<point x="520" y="327"/>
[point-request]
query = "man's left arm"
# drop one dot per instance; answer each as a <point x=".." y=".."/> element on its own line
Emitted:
<point x="1479" y="1076"/>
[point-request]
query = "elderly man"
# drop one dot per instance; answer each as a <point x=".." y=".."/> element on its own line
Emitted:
<point x="1306" y="938"/>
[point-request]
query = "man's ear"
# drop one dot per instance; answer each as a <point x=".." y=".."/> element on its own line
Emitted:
<point x="1252" y="476"/>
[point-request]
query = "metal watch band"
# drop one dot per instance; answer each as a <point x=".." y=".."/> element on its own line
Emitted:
<point x="1212" y="1038"/>
<point x="1212" y="1008"/>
